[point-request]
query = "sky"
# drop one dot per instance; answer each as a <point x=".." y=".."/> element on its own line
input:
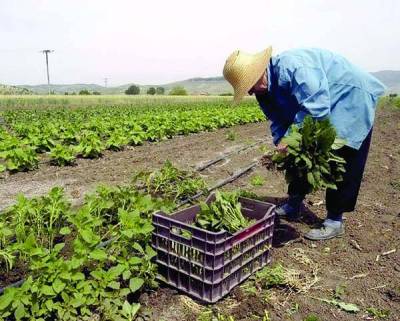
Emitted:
<point x="160" y="41"/>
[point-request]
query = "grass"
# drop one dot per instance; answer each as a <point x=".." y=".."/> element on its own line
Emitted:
<point x="8" y="102"/>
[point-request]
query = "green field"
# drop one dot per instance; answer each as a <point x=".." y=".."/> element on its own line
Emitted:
<point x="64" y="131"/>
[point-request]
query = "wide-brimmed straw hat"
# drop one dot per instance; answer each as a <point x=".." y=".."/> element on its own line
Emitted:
<point x="242" y="70"/>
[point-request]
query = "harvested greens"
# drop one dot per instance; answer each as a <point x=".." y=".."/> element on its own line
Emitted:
<point x="311" y="158"/>
<point x="224" y="213"/>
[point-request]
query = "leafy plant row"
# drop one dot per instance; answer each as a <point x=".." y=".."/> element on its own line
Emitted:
<point x="69" y="276"/>
<point x="65" y="134"/>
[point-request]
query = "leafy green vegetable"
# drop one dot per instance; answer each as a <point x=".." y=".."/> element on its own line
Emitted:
<point x="222" y="214"/>
<point x="311" y="159"/>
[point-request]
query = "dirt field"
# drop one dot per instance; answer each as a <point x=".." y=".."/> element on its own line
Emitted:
<point x="357" y="265"/>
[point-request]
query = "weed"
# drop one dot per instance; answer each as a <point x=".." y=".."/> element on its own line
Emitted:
<point x="378" y="313"/>
<point x="340" y="291"/>
<point x="293" y="309"/>
<point x="257" y="180"/>
<point x="231" y="135"/>
<point x="311" y="317"/>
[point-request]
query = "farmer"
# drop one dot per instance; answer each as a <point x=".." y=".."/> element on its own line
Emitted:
<point x="322" y="84"/>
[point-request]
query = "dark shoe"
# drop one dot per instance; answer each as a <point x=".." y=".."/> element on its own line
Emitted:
<point x="288" y="211"/>
<point x="326" y="232"/>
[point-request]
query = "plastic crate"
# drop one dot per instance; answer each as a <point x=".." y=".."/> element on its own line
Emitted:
<point x="207" y="265"/>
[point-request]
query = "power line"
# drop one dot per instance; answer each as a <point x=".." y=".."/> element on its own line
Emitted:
<point x="46" y="52"/>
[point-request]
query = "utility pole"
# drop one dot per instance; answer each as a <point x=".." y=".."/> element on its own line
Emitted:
<point x="46" y="52"/>
<point x="105" y="82"/>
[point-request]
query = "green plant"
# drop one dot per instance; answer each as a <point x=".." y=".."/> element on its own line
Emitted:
<point x="231" y="135"/>
<point x="90" y="145"/>
<point x="7" y="259"/>
<point x="348" y="307"/>
<point x="169" y="182"/>
<point x="23" y="158"/>
<point x="310" y="157"/>
<point x="257" y="180"/>
<point x="293" y="309"/>
<point x="42" y="217"/>
<point x="223" y="213"/>
<point x="117" y="140"/>
<point x="378" y="313"/>
<point x="62" y="155"/>
<point x="340" y="291"/>
<point x="311" y="317"/>
<point x="271" y="276"/>
<point x="266" y="316"/>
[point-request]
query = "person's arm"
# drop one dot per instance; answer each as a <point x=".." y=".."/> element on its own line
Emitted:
<point x="277" y="129"/>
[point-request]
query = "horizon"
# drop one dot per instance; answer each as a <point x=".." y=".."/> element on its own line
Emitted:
<point x="146" y="85"/>
<point x="160" y="43"/>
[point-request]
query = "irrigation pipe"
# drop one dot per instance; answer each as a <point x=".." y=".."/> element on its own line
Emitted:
<point x="225" y="156"/>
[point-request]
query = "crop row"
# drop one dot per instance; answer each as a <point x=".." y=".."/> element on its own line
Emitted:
<point x="70" y="272"/>
<point x="65" y="134"/>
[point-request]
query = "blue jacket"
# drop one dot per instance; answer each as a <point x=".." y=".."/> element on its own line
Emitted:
<point x="322" y="84"/>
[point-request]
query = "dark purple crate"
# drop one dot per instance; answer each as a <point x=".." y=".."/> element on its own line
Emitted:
<point x="207" y="265"/>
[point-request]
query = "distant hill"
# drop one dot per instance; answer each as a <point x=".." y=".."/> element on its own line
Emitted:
<point x="391" y="78"/>
<point x="210" y="85"/>
<point x="14" y="90"/>
<point x="61" y="89"/>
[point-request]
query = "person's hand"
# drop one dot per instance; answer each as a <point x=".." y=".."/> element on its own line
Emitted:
<point x="281" y="148"/>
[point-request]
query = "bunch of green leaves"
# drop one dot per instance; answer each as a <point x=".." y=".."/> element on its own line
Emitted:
<point x="311" y="158"/>
<point x="62" y="155"/>
<point x="224" y="213"/>
<point x="169" y="182"/>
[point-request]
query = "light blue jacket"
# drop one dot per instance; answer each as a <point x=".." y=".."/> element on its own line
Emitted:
<point x="322" y="84"/>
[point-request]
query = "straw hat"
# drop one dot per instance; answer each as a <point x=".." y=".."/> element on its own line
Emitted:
<point x="243" y="70"/>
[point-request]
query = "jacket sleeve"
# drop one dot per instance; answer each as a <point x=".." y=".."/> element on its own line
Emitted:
<point x="277" y="131"/>
<point x="311" y="90"/>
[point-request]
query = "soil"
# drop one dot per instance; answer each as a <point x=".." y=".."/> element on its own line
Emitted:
<point x="358" y="268"/>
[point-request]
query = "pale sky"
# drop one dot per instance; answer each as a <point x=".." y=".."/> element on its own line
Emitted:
<point x="159" y="41"/>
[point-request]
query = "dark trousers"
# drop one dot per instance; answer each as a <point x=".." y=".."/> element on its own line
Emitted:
<point x="343" y="199"/>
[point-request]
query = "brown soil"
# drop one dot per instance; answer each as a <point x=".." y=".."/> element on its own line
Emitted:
<point x="354" y="263"/>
